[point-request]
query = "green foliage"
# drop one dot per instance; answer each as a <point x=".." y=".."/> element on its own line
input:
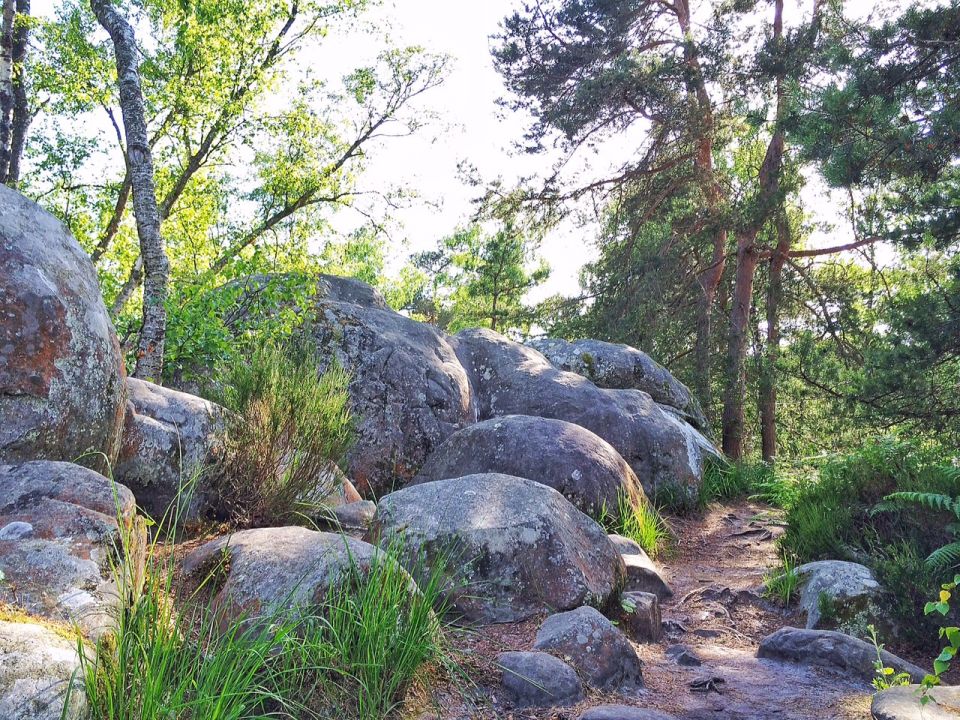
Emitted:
<point x="638" y="520"/>
<point x="946" y="556"/>
<point x="289" y="425"/>
<point x="781" y="583"/>
<point x="948" y="654"/>
<point x="886" y="677"/>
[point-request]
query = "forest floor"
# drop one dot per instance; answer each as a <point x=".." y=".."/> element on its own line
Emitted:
<point x="715" y="568"/>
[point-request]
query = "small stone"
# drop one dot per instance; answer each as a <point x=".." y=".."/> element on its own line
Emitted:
<point x="644" y="576"/>
<point x="639" y="616"/>
<point x="355" y="515"/>
<point x="538" y="679"/>
<point x="684" y="656"/>
<point x="625" y="546"/>
<point x="16" y="531"/>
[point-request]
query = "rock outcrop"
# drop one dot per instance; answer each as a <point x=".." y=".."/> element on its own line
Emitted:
<point x="593" y="646"/>
<point x="408" y="391"/>
<point x="261" y="573"/>
<point x="58" y="528"/>
<point x="515" y="547"/>
<point x="169" y="439"/>
<point x="39" y="678"/>
<point x="621" y="367"/>
<point x="584" y="468"/>
<point x="849" y="588"/>
<point x="61" y="370"/>
<point x="512" y="379"/>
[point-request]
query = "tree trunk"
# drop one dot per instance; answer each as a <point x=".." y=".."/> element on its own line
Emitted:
<point x="768" y="365"/>
<point x="21" y="111"/>
<point x="6" y="84"/>
<point x="140" y="164"/>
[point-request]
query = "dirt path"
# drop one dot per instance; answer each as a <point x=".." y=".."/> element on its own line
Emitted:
<point x="715" y="569"/>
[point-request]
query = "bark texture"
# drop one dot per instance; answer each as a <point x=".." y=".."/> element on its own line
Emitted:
<point x="140" y="167"/>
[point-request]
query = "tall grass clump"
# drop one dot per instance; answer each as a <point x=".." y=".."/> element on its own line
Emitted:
<point x="288" y="426"/>
<point x="724" y="480"/>
<point x="354" y="656"/>
<point x="636" y="518"/>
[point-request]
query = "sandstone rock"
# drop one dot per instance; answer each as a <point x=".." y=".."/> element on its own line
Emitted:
<point x="644" y="576"/>
<point x="639" y="616"/>
<point x="593" y="646"/>
<point x="518" y="547"/>
<point x="621" y="367"/>
<point x="536" y="679"/>
<point x="169" y="439"/>
<point x="59" y="567"/>
<point x="61" y="370"/>
<point x="37" y="674"/>
<point x="584" y="468"/>
<point x="623" y="712"/>
<point x="848" y="587"/>
<point x="903" y="703"/>
<point x="832" y="650"/>
<point x="259" y="573"/>
<point x="408" y="391"/>
<point x="512" y="379"/>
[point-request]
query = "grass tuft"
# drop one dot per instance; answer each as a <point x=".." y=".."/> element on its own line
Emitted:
<point x="639" y="520"/>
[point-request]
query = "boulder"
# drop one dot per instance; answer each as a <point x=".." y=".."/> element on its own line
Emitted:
<point x="849" y="588"/>
<point x="259" y="573"/>
<point x="353" y="516"/>
<point x="644" y="576"/>
<point x="832" y="650"/>
<point x="903" y="703"/>
<point x="408" y="391"/>
<point x="639" y="616"/>
<point x="621" y="367"/>
<point x="169" y="439"/>
<point x="516" y="547"/>
<point x="537" y="679"/>
<point x="512" y="379"/>
<point x="684" y="656"/>
<point x="61" y="369"/>
<point x="58" y="533"/>
<point x="593" y="646"/>
<point x="626" y="546"/>
<point x="623" y="712"/>
<point x="582" y="467"/>
<point x="39" y="674"/>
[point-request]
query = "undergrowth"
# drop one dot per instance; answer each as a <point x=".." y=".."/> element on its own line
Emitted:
<point x="638" y="520"/>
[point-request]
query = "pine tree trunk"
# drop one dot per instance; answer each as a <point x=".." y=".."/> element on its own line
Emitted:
<point x="6" y="84"/>
<point x="21" y="111"/>
<point x="140" y="163"/>
<point x="768" y="372"/>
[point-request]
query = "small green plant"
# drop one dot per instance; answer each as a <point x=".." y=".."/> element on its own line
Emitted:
<point x="886" y="677"/>
<point x="782" y="582"/>
<point x="638" y="520"/>
<point x="946" y="556"/>
<point x="827" y="608"/>
<point x="947" y="655"/>
<point x="288" y="426"/>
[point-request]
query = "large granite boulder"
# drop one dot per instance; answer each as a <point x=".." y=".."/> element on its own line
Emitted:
<point x="39" y="674"/>
<point x="621" y="367"/>
<point x="593" y="646"/>
<point x="903" y="703"/>
<point x="834" y="651"/>
<point x="516" y="547"/>
<point x="512" y="379"/>
<point x="408" y="391"/>
<point x="169" y="439"/>
<point x="850" y="590"/>
<point x="59" y="529"/>
<point x="260" y="573"/>
<point x="571" y="459"/>
<point x="61" y="370"/>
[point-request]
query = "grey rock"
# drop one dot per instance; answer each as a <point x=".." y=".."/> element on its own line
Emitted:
<point x="516" y="547"/>
<point x="623" y="712"/>
<point x="61" y="568"/>
<point x="39" y="674"/>
<point x="621" y="367"/>
<point x="626" y="546"/>
<point x="639" y="616"/>
<point x="832" y="650"/>
<point x="849" y="587"/>
<point x="536" y="679"/>
<point x="512" y="379"/>
<point x="903" y="703"/>
<point x="350" y="290"/>
<point x="684" y="656"/>
<point x="61" y="369"/>
<point x="593" y="646"/>
<point x="408" y="391"/>
<point x="583" y="467"/>
<point x="355" y="515"/>
<point x="170" y="440"/>
<point x="644" y="576"/>
<point x="16" y="530"/>
<point x="263" y="572"/>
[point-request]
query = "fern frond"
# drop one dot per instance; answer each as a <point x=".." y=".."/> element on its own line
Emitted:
<point x="933" y="501"/>
<point x="946" y="557"/>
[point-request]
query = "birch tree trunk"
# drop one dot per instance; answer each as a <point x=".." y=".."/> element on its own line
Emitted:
<point x="140" y="166"/>
<point x="21" y="111"/>
<point x="6" y="84"/>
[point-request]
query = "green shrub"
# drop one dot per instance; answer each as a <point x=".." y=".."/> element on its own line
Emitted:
<point x="766" y="482"/>
<point x="288" y="426"/>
